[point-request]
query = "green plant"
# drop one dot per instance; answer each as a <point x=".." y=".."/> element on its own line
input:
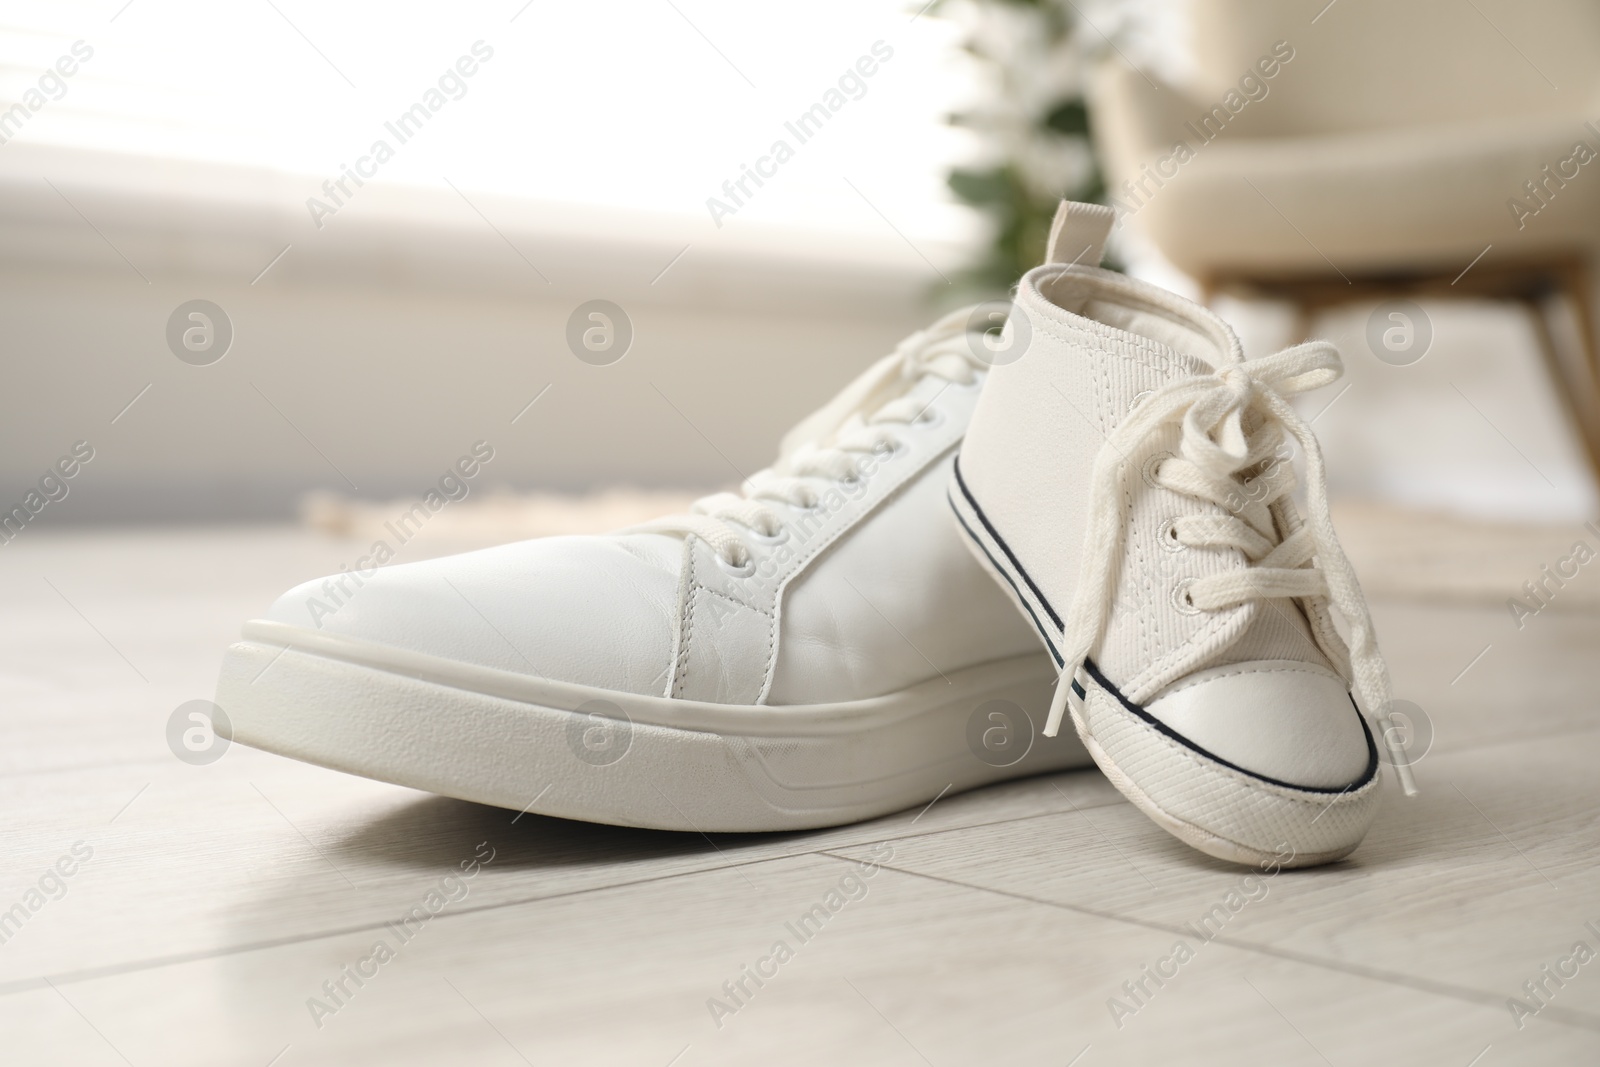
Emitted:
<point x="1033" y="125"/>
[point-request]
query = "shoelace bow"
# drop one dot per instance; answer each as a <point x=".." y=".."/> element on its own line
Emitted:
<point x="724" y="520"/>
<point x="1233" y="422"/>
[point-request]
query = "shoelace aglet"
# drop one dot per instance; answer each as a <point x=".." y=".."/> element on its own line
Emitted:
<point x="1397" y="753"/>
<point x="1058" y="703"/>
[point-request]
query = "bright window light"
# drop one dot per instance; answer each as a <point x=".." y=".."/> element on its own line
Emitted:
<point x="644" y="104"/>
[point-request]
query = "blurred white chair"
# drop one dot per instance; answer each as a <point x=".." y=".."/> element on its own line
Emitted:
<point x="1381" y="161"/>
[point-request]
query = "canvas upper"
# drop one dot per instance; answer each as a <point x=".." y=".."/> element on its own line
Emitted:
<point x="1131" y="480"/>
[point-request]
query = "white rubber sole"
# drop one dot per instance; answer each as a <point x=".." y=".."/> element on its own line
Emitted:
<point x="1217" y="809"/>
<point x="553" y="748"/>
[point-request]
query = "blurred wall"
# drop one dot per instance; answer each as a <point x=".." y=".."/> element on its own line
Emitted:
<point x="379" y="347"/>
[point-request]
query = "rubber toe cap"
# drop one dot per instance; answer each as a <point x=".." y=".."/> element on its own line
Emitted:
<point x="1284" y="720"/>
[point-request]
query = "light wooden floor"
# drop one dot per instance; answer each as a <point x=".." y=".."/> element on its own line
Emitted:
<point x="219" y="899"/>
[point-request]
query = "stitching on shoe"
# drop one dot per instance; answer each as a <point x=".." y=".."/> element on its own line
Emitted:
<point x="694" y="596"/>
<point x="685" y="592"/>
<point x="1146" y="639"/>
<point x="1126" y="342"/>
<point x="686" y="624"/>
<point x="765" y="688"/>
<point x="846" y="519"/>
<point x="1203" y="636"/>
<point x="1309" y="668"/>
<point x="804" y="560"/>
<point x="732" y="600"/>
<point x="1132" y="347"/>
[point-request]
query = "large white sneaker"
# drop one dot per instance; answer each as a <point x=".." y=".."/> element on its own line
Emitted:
<point x="817" y="650"/>
<point x="1127" y="477"/>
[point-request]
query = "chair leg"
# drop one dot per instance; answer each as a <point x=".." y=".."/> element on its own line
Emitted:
<point x="1302" y="318"/>
<point x="1573" y="366"/>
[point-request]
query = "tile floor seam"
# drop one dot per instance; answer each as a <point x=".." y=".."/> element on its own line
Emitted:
<point x="1468" y="994"/>
<point x="23" y="985"/>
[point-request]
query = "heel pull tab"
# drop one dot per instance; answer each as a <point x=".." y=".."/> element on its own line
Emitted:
<point x="1078" y="234"/>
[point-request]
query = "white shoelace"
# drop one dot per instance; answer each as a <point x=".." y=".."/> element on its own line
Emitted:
<point x="1218" y="445"/>
<point x="826" y="450"/>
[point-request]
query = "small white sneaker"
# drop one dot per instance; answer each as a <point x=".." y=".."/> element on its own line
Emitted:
<point x="1128" y="480"/>
<point x="818" y="650"/>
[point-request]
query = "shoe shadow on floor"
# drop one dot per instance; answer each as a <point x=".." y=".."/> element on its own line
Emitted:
<point x="436" y="832"/>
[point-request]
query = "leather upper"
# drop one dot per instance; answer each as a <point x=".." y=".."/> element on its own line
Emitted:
<point x="867" y="593"/>
<point x="915" y="602"/>
<point x="596" y="611"/>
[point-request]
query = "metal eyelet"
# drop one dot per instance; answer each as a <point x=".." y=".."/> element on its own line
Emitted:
<point x="1182" y="599"/>
<point x="1167" y="536"/>
<point x="1152" y="467"/>
<point x="744" y="570"/>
